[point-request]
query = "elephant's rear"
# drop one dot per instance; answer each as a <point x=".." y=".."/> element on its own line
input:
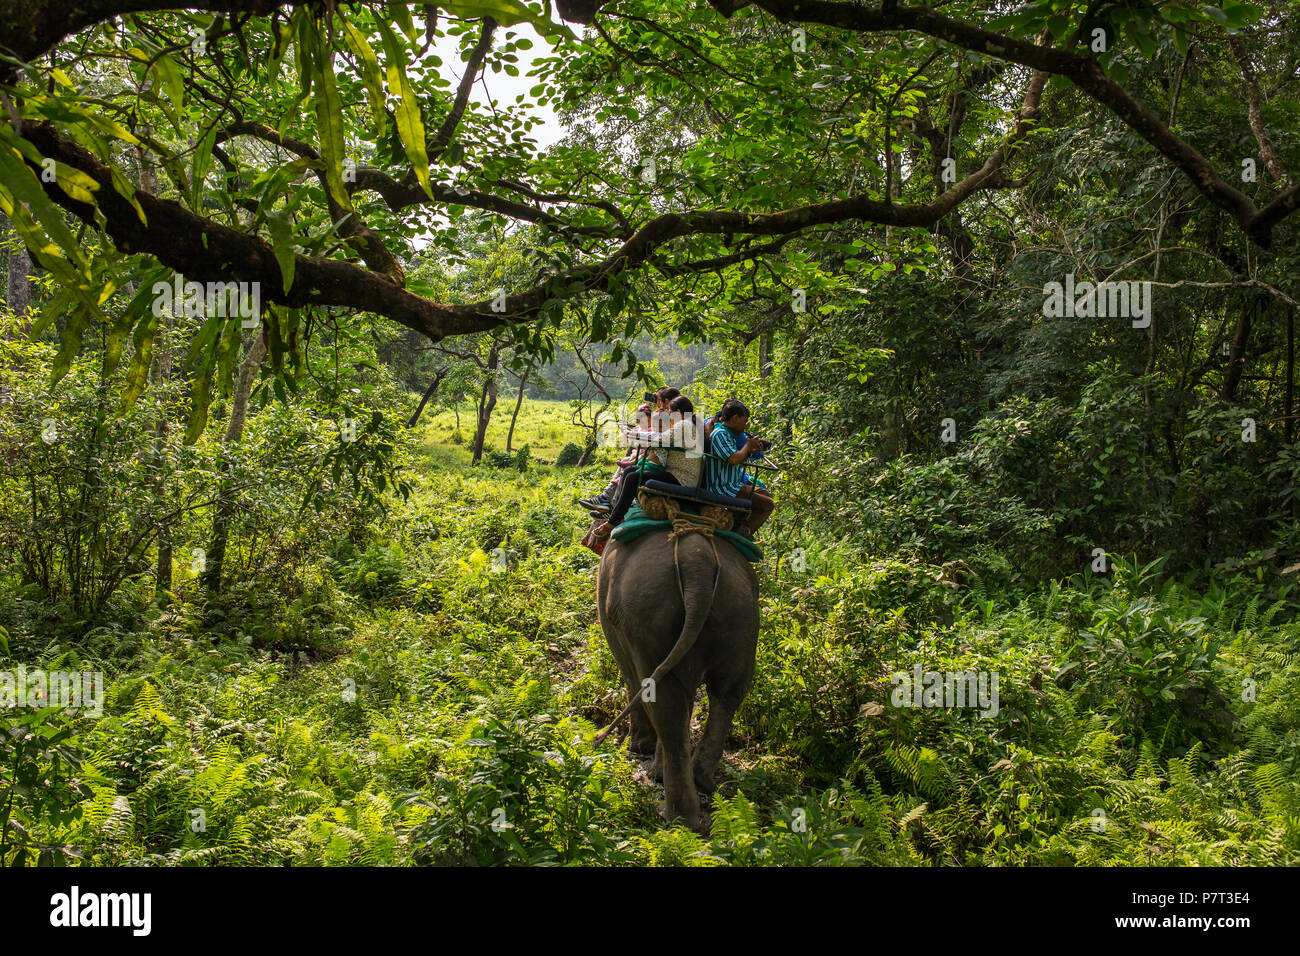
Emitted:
<point x="641" y="607"/>
<point x="707" y="632"/>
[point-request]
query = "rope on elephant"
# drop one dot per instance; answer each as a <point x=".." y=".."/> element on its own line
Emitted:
<point x="710" y="519"/>
<point x="663" y="508"/>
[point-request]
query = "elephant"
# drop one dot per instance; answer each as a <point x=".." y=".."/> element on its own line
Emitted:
<point x="706" y="632"/>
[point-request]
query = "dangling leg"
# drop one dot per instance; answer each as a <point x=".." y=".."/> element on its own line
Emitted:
<point x="627" y="490"/>
<point x="643" y="739"/>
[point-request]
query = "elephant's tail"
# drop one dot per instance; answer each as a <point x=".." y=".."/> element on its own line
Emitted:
<point x="697" y="613"/>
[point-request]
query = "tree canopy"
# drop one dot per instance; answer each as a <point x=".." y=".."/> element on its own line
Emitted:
<point x="789" y="121"/>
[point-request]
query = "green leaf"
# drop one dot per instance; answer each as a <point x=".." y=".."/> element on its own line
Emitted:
<point x="126" y="190"/>
<point x="116" y="338"/>
<point x="284" y="34"/>
<point x="228" y="354"/>
<point x="1239" y="14"/>
<point x="54" y="308"/>
<point x="199" y="168"/>
<point x="329" y="119"/>
<point x="169" y="77"/>
<point x="410" y="124"/>
<point x="507" y="13"/>
<point x="303" y="50"/>
<point x="1180" y="40"/>
<point x="1136" y="30"/>
<point x="277" y="223"/>
<point x="138" y="372"/>
<point x="201" y="394"/>
<point x="400" y="13"/>
<point x="103" y="124"/>
<point x="75" y="322"/>
<point x="21" y="182"/>
<point x="269" y="186"/>
<point x="371" y="75"/>
<point x="204" y="338"/>
<point x="75" y="183"/>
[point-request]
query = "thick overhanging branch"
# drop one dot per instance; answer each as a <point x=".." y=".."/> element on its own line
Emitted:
<point x="362" y="238"/>
<point x="1082" y="70"/>
<point x="208" y="251"/>
<point x="30" y="28"/>
<point x="404" y="194"/>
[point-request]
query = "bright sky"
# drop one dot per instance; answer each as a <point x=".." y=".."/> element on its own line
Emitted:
<point x="502" y="87"/>
<point x="499" y="87"/>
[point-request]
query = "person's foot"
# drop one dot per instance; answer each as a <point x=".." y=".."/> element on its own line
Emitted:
<point x="598" y="503"/>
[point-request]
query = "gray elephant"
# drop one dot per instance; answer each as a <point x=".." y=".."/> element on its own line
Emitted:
<point x="711" y="636"/>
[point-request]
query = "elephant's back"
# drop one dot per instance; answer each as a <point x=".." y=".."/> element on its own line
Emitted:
<point x="637" y="579"/>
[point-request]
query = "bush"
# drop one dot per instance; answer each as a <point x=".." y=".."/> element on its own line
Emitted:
<point x="525" y="795"/>
<point x="40" y="790"/>
<point x="569" y="456"/>
<point x="376" y="574"/>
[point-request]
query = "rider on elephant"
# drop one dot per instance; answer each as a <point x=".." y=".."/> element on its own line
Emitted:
<point x="677" y="461"/>
<point x="730" y="448"/>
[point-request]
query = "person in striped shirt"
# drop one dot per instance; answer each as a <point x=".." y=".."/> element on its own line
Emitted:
<point x="730" y="449"/>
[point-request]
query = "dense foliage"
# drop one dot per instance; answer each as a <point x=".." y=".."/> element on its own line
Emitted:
<point x="327" y="560"/>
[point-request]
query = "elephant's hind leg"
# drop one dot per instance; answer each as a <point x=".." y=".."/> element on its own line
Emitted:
<point x="724" y="700"/>
<point x="643" y="739"/>
<point x="671" y="715"/>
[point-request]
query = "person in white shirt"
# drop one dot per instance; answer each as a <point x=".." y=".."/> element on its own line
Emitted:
<point x="676" y="458"/>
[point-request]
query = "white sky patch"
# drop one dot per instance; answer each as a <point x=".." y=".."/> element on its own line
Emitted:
<point x="500" y="88"/>
<point x="504" y="89"/>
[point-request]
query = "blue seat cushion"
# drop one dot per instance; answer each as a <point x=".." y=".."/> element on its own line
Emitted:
<point x="695" y="494"/>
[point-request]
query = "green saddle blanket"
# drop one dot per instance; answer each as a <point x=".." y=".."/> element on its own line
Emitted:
<point x="637" y="523"/>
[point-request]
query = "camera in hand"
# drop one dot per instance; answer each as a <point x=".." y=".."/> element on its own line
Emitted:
<point x="764" y="444"/>
<point x="650" y="397"/>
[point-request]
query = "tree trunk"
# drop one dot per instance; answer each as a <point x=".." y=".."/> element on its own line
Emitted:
<point x="593" y="439"/>
<point x="428" y="394"/>
<point x="510" y="436"/>
<point x="161" y="372"/>
<point x="19" y="293"/>
<point x="1290" y="370"/>
<point x="587" y="450"/>
<point x="486" y="402"/>
<point x="1237" y="354"/>
<point x="216" y="557"/>
<point x="765" y="355"/>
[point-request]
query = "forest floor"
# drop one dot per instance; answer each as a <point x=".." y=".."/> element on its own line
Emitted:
<point x="430" y="694"/>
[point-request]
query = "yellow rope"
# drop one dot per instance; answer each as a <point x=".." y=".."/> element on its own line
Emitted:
<point x="664" y="508"/>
